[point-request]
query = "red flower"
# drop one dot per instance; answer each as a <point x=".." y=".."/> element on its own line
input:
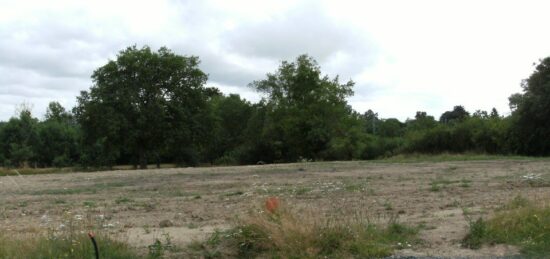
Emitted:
<point x="272" y="204"/>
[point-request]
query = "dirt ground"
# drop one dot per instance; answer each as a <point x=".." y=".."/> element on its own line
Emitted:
<point x="184" y="204"/>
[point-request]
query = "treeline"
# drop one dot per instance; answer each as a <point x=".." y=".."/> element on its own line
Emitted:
<point x="150" y="107"/>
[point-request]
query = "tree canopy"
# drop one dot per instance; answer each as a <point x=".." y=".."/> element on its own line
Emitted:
<point x="141" y="103"/>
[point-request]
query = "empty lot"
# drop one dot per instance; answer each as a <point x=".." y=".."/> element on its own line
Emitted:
<point x="188" y="203"/>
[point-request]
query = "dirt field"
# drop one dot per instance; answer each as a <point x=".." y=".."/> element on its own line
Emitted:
<point x="189" y="203"/>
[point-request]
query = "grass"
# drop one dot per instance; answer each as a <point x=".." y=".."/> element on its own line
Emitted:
<point x="65" y="246"/>
<point x="31" y="171"/>
<point x="69" y="241"/>
<point x="521" y="223"/>
<point x="413" y="158"/>
<point x="288" y="234"/>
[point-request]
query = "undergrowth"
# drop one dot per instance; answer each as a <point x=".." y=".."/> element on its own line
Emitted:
<point x="521" y="223"/>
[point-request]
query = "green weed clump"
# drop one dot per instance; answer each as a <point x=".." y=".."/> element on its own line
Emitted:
<point x="520" y="223"/>
<point x="285" y="235"/>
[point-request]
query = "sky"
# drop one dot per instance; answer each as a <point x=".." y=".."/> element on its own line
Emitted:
<point x="404" y="56"/>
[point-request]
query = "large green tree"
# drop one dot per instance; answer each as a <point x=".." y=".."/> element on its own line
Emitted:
<point x="306" y="110"/>
<point x="142" y="104"/>
<point x="531" y="112"/>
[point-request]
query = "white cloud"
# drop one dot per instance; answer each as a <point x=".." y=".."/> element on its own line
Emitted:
<point x="404" y="55"/>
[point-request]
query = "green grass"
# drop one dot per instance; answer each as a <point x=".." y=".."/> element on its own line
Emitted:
<point x="65" y="191"/>
<point x="31" y="171"/>
<point x="444" y="157"/>
<point x="120" y="200"/>
<point x="79" y="246"/>
<point x="301" y="235"/>
<point x="520" y="223"/>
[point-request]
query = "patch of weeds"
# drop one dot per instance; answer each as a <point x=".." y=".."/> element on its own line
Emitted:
<point x="477" y="234"/>
<point x="65" y="191"/>
<point x="147" y="206"/>
<point x="123" y="200"/>
<point x="192" y="225"/>
<point x="89" y="204"/>
<point x="109" y="185"/>
<point x="159" y="248"/>
<point x="285" y="235"/>
<point x="357" y="186"/>
<point x="517" y="202"/>
<point x="465" y="183"/>
<point x="196" y="197"/>
<point x="235" y="193"/>
<point x="180" y="193"/>
<point x="520" y="223"/>
<point x="59" y="201"/>
<point x="23" y="204"/>
<point x="451" y="168"/>
<point x="302" y="190"/>
<point x="388" y="206"/>
<point x="147" y="229"/>
<point x="435" y="187"/>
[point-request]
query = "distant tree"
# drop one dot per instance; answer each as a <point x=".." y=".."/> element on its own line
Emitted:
<point x="531" y="112"/>
<point x="18" y="140"/>
<point x="58" y="138"/>
<point x="421" y="121"/>
<point x="371" y="121"/>
<point x="57" y="112"/>
<point x="515" y="100"/>
<point x="230" y="116"/>
<point x="494" y="114"/>
<point x="457" y="114"/>
<point x="305" y="109"/>
<point x="391" y="128"/>
<point x="480" y="114"/>
<point x="141" y="104"/>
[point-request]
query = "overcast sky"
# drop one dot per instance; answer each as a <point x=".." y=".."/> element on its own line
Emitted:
<point x="404" y="56"/>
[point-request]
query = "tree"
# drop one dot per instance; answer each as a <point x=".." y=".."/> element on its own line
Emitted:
<point x="422" y="121"/>
<point x="58" y="138"/>
<point x="230" y="115"/>
<point x="18" y="140"/>
<point x="457" y="114"/>
<point x="494" y="114"/>
<point x="142" y="104"/>
<point x="531" y="112"/>
<point x="305" y="109"/>
<point x="57" y="112"/>
<point x="371" y="120"/>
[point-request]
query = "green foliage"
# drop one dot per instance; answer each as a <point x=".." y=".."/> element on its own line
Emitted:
<point x="531" y="111"/>
<point x="304" y="110"/>
<point x="143" y="104"/>
<point x="477" y="234"/>
<point x="520" y="223"/>
<point x="18" y="138"/>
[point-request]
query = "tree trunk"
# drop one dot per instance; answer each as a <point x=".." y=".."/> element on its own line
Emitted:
<point x="158" y="161"/>
<point x="142" y="159"/>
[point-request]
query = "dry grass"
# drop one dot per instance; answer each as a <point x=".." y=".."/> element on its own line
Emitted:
<point x="288" y="233"/>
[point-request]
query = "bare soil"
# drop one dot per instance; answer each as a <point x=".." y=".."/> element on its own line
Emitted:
<point x="192" y="202"/>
